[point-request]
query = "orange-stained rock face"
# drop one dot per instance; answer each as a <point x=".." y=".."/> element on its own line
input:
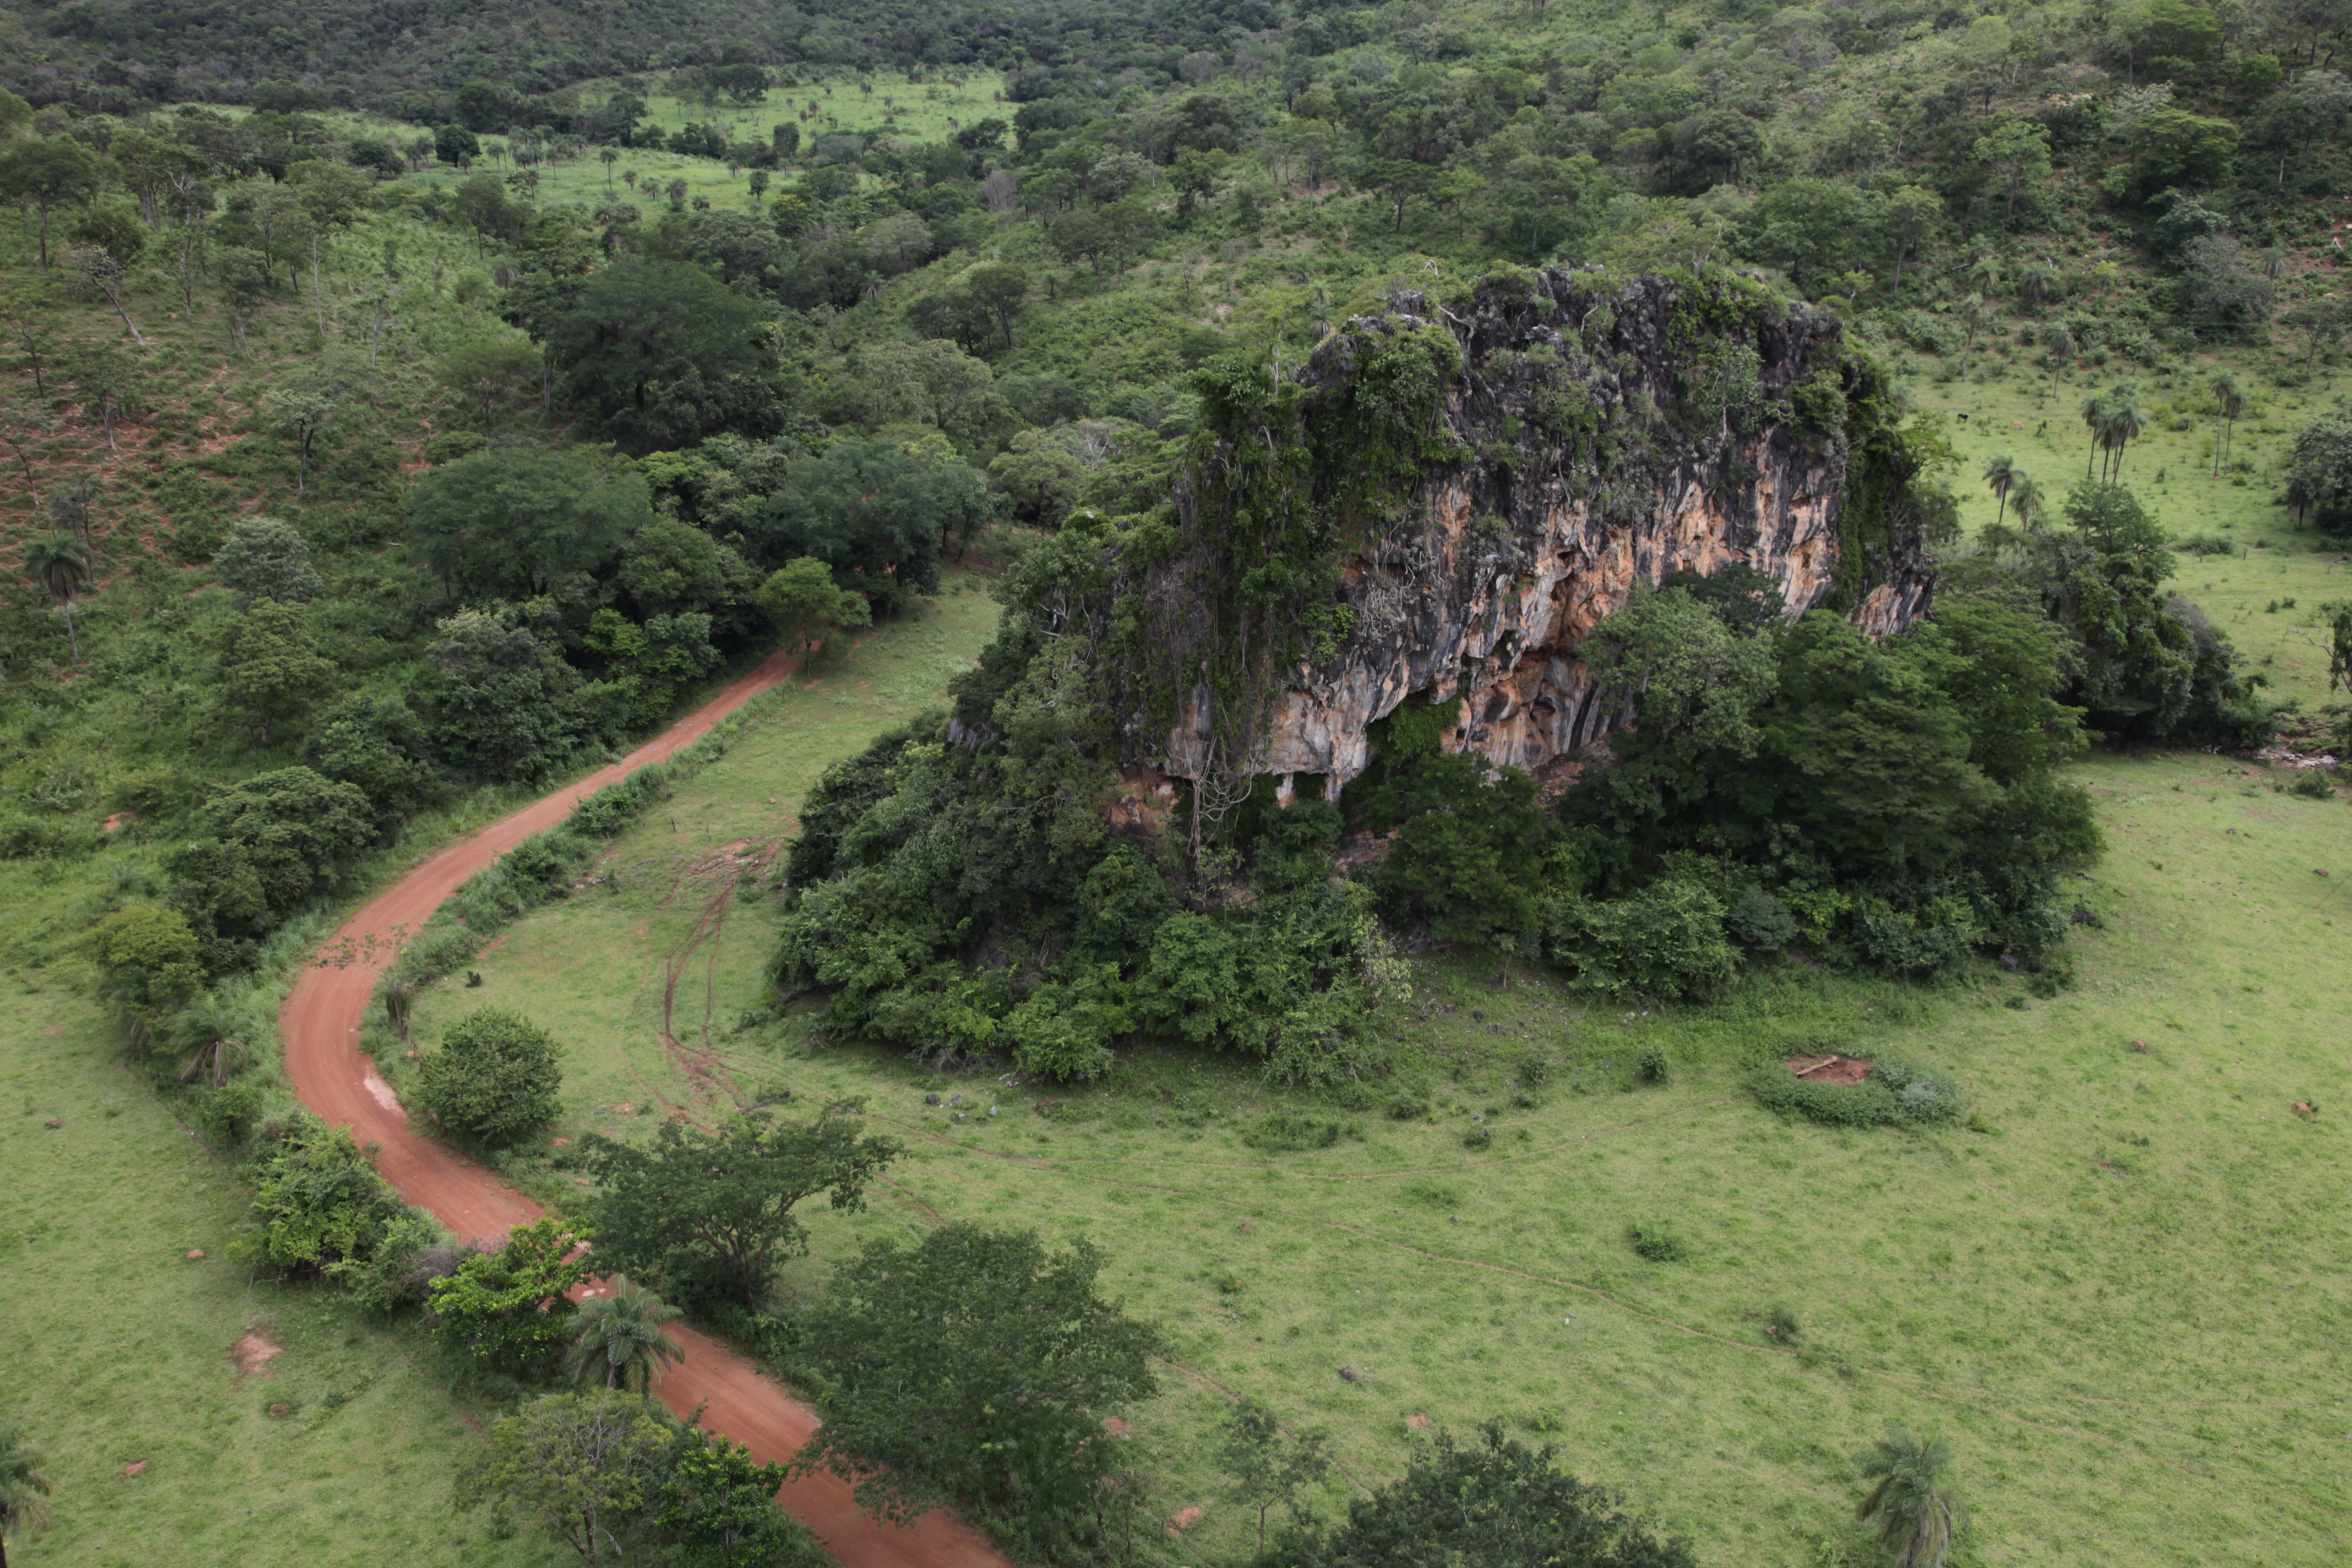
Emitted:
<point x="1482" y="600"/>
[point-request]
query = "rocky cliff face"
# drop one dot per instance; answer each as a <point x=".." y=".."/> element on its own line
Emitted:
<point x="1603" y="437"/>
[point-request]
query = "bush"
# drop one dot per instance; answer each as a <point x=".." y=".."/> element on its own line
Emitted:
<point x="1760" y="922"/>
<point x="1287" y="1132"/>
<point x="1657" y="1240"/>
<point x="1652" y="1066"/>
<point x="1535" y="1066"/>
<point x="493" y="1083"/>
<point x="1894" y="1094"/>
<point x="2312" y="785"/>
<point x="1663" y="940"/>
<point x="1935" y="939"/>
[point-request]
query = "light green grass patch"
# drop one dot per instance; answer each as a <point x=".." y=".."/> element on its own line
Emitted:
<point x="2112" y="1283"/>
<point x="120" y="1346"/>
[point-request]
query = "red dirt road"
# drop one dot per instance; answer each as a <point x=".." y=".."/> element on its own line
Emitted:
<point x="321" y="1022"/>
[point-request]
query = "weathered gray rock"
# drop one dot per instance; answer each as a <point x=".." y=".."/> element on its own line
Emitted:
<point x="1480" y="594"/>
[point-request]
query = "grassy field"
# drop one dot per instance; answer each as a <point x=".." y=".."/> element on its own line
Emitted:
<point x="2113" y="1285"/>
<point x="2266" y="595"/>
<point x="338" y="1450"/>
<point x="922" y="112"/>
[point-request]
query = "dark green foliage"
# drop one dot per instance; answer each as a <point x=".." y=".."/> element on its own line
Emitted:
<point x="1469" y="847"/>
<point x="1498" y="1503"/>
<point x="713" y="1506"/>
<point x="2319" y="473"/>
<point x="1665" y="939"/>
<point x="708" y="1216"/>
<point x="1287" y="1132"/>
<point x="2149" y="668"/>
<point x="1894" y="1094"/>
<point x="1657" y="1240"/>
<point x="1651" y="1066"/>
<point x="494" y="1080"/>
<point x="504" y="1311"/>
<point x="511" y="521"/>
<point x="1759" y="922"/>
<point x="1916" y="772"/>
<point x="659" y="353"/>
<point x="496" y="700"/>
<point x="263" y="558"/>
<point x="878" y="514"/>
<point x="272" y="842"/>
<point x="317" y="1200"/>
<point x="975" y="1369"/>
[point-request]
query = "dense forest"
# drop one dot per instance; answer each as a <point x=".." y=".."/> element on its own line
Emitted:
<point x="408" y="409"/>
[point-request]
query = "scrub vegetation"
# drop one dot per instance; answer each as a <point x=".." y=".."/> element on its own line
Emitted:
<point x="1884" y="1109"/>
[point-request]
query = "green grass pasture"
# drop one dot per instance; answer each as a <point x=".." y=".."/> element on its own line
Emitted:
<point x="120" y="1354"/>
<point x="2116" y="1285"/>
<point x="2267" y="595"/>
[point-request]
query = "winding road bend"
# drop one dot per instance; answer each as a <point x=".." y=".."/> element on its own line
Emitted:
<point x="321" y="1022"/>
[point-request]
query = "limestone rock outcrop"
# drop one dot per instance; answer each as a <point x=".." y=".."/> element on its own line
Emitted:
<point x="1685" y="453"/>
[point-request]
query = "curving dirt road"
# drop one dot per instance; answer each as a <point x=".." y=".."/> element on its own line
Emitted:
<point x="321" y="1022"/>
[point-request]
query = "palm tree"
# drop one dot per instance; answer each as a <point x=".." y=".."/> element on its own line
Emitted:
<point x="2228" y="404"/>
<point x="2095" y="415"/>
<point x="2123" y="425"/>
<point x="61" y="562"/>
<point x="24" y="1489"/>
<point x="1910" y="1509"/>
<point x="619" y="1338"/>
<point x="2026" y="496"/>
<point x="2000" y="476"/>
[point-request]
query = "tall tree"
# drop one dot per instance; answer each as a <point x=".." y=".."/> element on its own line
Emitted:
<point x="578" y="1464"/>
<point x="2228" y="404"/>
<point x="1266" y="1466"/>
<point x="488" y="369"/>
<point x="510" y="520"/>
<point x="49" y="172"/>
<point x="2000" y="476"/>
<point x="270" y="667"/>
<point x="973" y="1367"/>
<point x="711" y="1213"/>
<point x="60" y="564"/>
<point x="1498" y="1503"/>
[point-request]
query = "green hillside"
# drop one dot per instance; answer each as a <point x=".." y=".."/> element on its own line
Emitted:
<point x="408" y="410"/>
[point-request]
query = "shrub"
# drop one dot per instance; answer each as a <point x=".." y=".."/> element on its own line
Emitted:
<point x="1894" y="1094"/>
<point x="1760" y="922"/>
<point x="1408" y="1107"/>
<point x="1286" y="1131"/>
<point x="493" y="1083"/>
<point x="1535" y="1066"/>
<point x="1657" y="1240"/>
<point x="2312" y="785"/>
<point x="1663" y="940"/>
<point x="1478" y="1137"/>
<point x="1935" y="939"/>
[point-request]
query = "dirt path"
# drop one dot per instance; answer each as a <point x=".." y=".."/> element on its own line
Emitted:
<point x="321" y="1022"/>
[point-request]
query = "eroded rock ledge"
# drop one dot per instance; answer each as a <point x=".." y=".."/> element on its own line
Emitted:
<point x="1607" y="436"/>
